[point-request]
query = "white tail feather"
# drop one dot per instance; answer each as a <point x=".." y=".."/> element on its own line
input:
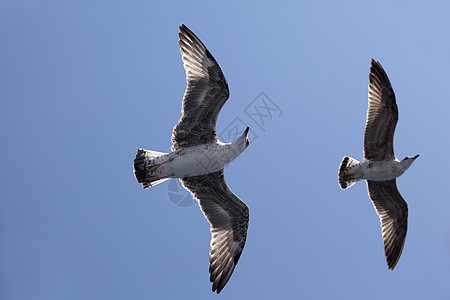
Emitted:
<point x="349" y="172"/>
<point x="143" y="165"/>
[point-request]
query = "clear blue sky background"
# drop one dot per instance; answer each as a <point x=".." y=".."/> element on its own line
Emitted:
<point x="86" y="83"/>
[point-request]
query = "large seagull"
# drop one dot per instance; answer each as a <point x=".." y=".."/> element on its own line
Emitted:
<point x="198" y="158"/>
<point x="380" y="167"/>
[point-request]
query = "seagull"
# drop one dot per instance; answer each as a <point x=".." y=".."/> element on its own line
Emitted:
<point x="198" y="158"/>
<point x="380" y="167"/>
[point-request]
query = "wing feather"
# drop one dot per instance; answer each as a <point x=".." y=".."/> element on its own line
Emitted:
<point x="382" y="116"/>
<point x="228" y="217"/>
<point x="393" y="213"/>
<point x="206" y="93"/>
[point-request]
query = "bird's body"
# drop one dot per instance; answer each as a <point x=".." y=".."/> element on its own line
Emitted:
<point x="198" y="158"/>
<point x="381" y="170"/>
<point x="380" y="167"/>
<point x="191" y="161"/>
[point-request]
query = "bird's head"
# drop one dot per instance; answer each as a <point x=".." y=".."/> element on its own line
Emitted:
<point x="245" y="134"/>
<point x="407" y="161"/>
<point x="242" y="142"/>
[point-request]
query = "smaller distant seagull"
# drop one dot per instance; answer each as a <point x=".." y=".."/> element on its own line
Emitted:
<point x="198" y="158"/>
<point x="380" y="166"/>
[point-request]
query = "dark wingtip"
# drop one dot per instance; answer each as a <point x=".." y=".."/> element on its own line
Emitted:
<point x="416" y="156"/>
<point x="392" y="263"/>
<point x="183" y="30"/>
<point x="246" y="131"/>
<point x="374" y="65"/>
<point x="379" y="77"/>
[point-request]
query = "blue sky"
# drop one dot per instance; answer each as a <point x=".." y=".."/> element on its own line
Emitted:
<point x="86" y="83"/>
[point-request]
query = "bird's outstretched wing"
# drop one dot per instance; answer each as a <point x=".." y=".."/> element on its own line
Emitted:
<point x="393" y="213"/>
<point x="206" y="93"/>
<point x="382" y="116"/>
<point x="228" y="217"/>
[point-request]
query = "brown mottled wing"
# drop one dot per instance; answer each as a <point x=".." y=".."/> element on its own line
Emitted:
<point x="382" y="116"/>
<point x="206" y="93"/>
<point x="228" y="217"/>
<point x="393" y="213"/>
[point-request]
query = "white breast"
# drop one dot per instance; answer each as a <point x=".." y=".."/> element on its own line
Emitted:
<point x="200" y="160"/>
<point x="381" y="170"/>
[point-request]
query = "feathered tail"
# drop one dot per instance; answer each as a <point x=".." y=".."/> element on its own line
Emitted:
<point x="349" y="172"/>
<point x="144" y="167"/>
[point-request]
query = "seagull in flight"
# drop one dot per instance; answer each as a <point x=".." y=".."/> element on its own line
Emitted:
<point x="380" y="167"/>
<point x="198" y="158"/>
